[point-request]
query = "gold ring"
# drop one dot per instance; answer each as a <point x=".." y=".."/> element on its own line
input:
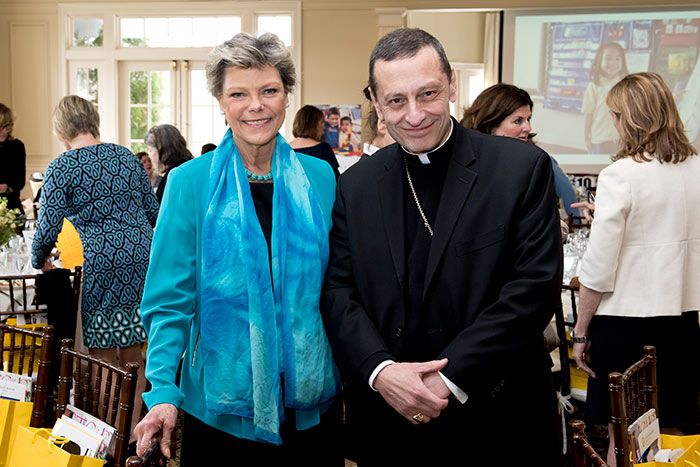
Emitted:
<point x="418" y="417"/>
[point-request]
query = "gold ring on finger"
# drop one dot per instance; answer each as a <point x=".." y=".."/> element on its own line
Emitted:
<point x="418" y="417"/>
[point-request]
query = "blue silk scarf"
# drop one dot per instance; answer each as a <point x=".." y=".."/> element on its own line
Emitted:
<point x="261" y="325"/>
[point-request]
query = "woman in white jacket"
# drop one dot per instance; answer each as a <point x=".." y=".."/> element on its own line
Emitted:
<point x="639" y="277"/>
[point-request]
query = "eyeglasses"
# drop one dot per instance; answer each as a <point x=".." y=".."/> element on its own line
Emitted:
<point x="7" y="126"/>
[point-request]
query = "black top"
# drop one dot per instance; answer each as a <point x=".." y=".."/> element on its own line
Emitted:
<point x="324" y="152"/>
<point x="160" y="189"/>
<point x="428" y="180"/>
<point x="12" y="170"/>
<point x="262" y="198"/>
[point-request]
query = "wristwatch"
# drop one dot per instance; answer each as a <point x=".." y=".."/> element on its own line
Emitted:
<point x="579" y="340"/>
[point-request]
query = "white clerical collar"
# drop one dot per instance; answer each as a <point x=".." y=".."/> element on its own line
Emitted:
<point x="424" y="157"/>
<point x="370" y="149"/>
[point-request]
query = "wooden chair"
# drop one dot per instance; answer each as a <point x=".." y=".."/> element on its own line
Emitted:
<point x="577" y="222"/>
<point x="583" y="452"/>
<point x="109" y="398"/>
<point x="22" y="296"/>
<point x="27" y="343"/>
<point x="562" y="324"/>
<point x="632" y="393"/>
<point x="20" y="291"/>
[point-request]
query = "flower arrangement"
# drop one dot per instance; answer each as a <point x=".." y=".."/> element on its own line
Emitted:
<point x="10" y="221"/>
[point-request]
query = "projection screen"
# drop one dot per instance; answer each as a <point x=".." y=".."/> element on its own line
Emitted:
<point x="552" y="54"/>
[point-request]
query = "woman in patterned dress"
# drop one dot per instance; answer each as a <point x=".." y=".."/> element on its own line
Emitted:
<point x="103" y="190"/>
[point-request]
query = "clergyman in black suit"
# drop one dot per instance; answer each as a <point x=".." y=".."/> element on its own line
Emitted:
<point x="445" y="267"/>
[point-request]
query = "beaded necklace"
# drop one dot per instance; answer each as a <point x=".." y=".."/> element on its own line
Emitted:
<point x="258" y="178"/>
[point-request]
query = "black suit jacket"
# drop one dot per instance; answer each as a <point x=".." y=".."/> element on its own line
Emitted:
<point x="493" y="275"/>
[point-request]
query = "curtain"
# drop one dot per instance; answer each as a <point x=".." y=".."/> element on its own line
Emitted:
<point x="492" y="43"/>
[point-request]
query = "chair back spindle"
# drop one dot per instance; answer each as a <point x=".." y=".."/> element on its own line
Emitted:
<point x="105" y="391"/>
<point x="583" y="451"/>
<point x="632" y="394"/>
<point x="44" y="337"/>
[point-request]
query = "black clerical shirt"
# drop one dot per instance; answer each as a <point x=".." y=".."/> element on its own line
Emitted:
<point x="428" y="180"/>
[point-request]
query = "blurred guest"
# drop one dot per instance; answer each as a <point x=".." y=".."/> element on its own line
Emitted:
<point x="12" y="161"/>
<point x="308" y="131"/>
<point x="148" y="165"/>
<point x="208" y="147"/>
<point x="378" y="137"/>
<point x="330" y="132"/>
<point x="505" y="110"/>
<point x="639" y="272"/>
<point x="102" y="190"/>
<point x="238" y="292"/>
<point x="168" y="149"/>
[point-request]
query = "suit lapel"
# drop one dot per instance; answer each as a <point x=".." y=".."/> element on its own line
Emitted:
<point x="390" y="189"/>
<point x="458" y="183"/>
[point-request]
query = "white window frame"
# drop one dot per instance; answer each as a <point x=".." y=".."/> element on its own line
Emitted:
<point x="465" y="74"/>
<point x="107" y="57"/>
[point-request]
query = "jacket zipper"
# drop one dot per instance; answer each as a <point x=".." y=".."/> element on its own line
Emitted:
<point x="196" y="346"/>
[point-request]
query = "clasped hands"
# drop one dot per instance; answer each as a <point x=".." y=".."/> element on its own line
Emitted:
<point x="414" y="388"/>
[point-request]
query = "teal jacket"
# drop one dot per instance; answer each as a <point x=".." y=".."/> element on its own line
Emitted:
<point x="170" y="308"/>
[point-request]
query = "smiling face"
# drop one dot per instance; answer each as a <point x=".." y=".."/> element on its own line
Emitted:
<point x="413" y="98"/>
<point x="515" y="125"/>
<point x="254" y="103"/>
<point x="611" y="63"/>
<point x="333" y="120"/>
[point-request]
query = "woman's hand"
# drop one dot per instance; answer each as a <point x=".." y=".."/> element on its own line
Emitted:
<point x="161" y="417"/>
<point x="48" y="261"/>
<point x="587" y="207"/>
<point x="564" y="230"/>
<point x="582" y="356"/>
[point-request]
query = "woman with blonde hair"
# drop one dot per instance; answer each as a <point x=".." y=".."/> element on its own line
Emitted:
<point x="638" y="277"/>
<point x="103" y="190"/>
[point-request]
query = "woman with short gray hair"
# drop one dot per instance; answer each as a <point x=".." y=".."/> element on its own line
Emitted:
<point x="238" y="292"/>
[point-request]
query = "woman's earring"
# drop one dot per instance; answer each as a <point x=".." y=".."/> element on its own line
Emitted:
<point x="286" y="105"/>
<point x="221" y="111"/>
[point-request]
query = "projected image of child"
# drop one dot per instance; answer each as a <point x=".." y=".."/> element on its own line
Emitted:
<point x="609" y="66"/>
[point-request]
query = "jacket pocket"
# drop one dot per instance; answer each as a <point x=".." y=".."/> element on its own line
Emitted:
<point x="481" y="241"/>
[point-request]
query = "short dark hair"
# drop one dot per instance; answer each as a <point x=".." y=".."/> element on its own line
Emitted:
<point x="208" y="147"/>
<point x="493" y="105"/>
<point x="405" y="43"/>
<point x="346" y="119"/>
<point x="306" y="123"/>
<point x="332" y="111"/>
